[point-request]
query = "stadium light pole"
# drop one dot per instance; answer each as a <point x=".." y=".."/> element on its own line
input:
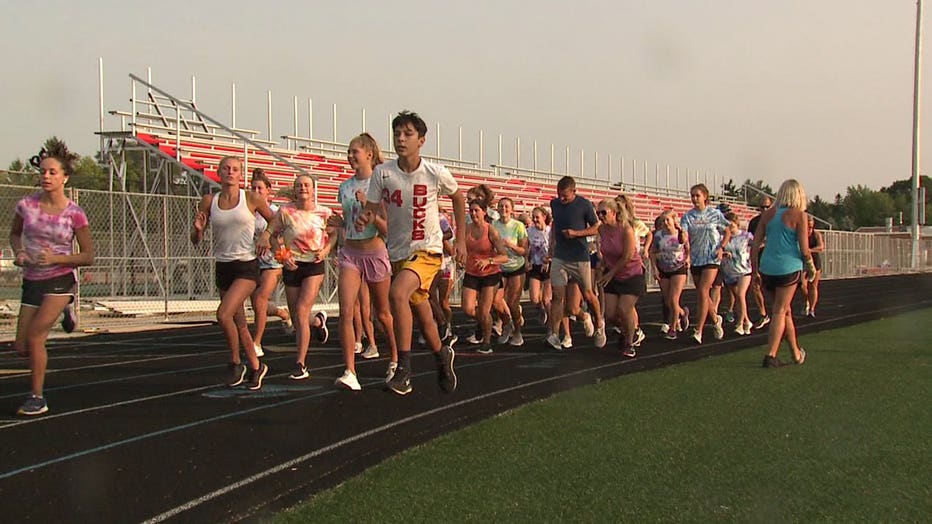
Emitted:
<point x="917" y="76"/>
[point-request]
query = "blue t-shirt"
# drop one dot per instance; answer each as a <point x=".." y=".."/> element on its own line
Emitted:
<point x="706" y="229"/>
<point x="352" y="207"/>
<point x="577" y="214"/>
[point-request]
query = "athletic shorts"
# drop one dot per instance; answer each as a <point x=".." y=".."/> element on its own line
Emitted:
<point x="636" y="286"/>
<point x="732" y="280"/>
<point x="304" y="270"/>
<point x="36" y="290"/>
<point x="667" y="275"/>
<point x="426" y="266"/>
<point x="561" y="272"/>
<point x="372" y="265"/>
<point x="477" y="282"/>
<point x="772" y="282"/>
<point x="817" y="261"/>
<point x="227" y="272"/>
<point x="697" y="274"/>
<point x="520" y="271"/>
<point x="537" y="272"/>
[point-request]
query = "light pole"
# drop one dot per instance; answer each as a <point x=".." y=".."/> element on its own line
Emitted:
<point x="917" y="76"/>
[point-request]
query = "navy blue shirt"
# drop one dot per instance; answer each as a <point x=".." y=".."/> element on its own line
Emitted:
<point x="577" y="214"/>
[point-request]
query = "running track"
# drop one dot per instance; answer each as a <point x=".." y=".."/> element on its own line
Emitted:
<point x="141" y="429"/>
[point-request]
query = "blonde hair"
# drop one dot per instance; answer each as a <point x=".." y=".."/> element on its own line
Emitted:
<point x="624" y="201"/>
<point x="791" y="194"/>
<point x="621" y="211"/>
<point x="368" y="142"/>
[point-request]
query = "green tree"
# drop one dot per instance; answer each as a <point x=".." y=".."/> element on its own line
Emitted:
<point x="730" y="190"/>
<point x="18" y="174"/>
<point x="822" y="209"/>
<point x="756" y="191"/>
<point x="866" y="207"/>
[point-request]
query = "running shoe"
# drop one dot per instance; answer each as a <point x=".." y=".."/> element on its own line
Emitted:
<point x="740" y="330"/>
<point x="567" y="342"/>
<point x="730" y="317"/>
<point x="255" y="378"/>
<point x="485" y="349"/>
<point x="392" y="366"/>
<point x="323" y="334"/>
<point x="473" y="340"/>
<point x="717" y="330"/>
<point x="684" y="319"/>
<point x="802" y="357"/>
<point x="806" y="310"/>
<point x="288" y="326"/>
<point x="639" y="337"/>
<point x="357" y="348"/>
<point x="764" y="320"/>
<point x="588" y="325"/>
<point x="629" y="352"/>
<point x="697" y="336"/>
<point x="772" y="362"/>
<point x="237" y="374"/>
<point x="33" y="405"/>
<point x="554" y="341"/>
<point x="507" y="330"/>
<point x="371" y="352"/>
<point x="599" y="337"/>
<point x="446" y="376"/>
<point x="300" y="372"/>
<point x="517" y="339"/>
<point x="68" y="320"/>
<point x="259" y="352"/>
<point x="664" y="328"/>
<point x="670" y="335"/>
<point x="348" y="381"/>
<point x="400" y="382"/>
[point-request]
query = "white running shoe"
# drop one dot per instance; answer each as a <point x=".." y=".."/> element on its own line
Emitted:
<point x="371" y="352"/>
<point x="259" y="352"/>
<point x="390" y="374"/>
<point x="348" y="381"/>
<point x="567" y="342"/>
<point x="358" y="348"/>
<point x="664" y="328"/>
<point x="507" y="330"/>
<point x="588" y="325"/>
<point x="697" y="336"/>
<point x="289" y="327"/>
<point x="717" y="331"/>
<point x="599" y="337"/>
<point x="473" y="340"/>
<point x="554" y="341"/>
<point x="639" y="337"/>
<point x="517" y="339"/>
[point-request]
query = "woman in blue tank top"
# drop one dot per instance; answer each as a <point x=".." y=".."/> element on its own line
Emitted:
<point x="782" y="264"/>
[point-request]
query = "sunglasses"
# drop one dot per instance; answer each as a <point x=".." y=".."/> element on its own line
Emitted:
<point x="601" y="212"/>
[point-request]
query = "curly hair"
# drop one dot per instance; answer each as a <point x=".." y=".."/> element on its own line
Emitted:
<point x="56" y="149"/>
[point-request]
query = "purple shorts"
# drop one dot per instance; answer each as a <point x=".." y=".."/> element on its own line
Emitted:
<point x="372" y="266"/>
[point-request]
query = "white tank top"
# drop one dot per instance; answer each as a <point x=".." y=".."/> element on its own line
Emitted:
<point x="232" y="230"/>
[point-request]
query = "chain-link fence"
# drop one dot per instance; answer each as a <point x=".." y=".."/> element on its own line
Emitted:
<point x="147" y="271"/>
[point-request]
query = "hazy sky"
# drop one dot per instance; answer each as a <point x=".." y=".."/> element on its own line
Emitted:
<point x="816" y="90"/>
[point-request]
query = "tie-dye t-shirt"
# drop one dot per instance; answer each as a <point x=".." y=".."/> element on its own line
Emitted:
<point x="706" y="229"/>
<point x="513" y="231"/>
<point x="43" y="231"/>
<point x="670" y="253"/>
<point x="739" y="263"/>
<point x="352" y="207"/>
<point x="304" y="232"/>
<point x="539" y="244"/>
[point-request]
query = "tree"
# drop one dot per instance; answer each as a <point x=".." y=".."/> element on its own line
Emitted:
<point x="866" y="207"/>
<point x="18" y="174"/>
<point x="730" y="190"/>
<point x="822" y="209"/>
<point x="756" y="191"/>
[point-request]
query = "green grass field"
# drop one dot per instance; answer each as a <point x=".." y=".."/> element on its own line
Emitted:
<point x="846" y="438"/>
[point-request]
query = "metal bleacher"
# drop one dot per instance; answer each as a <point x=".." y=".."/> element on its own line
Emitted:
<point x="176" y="131"/>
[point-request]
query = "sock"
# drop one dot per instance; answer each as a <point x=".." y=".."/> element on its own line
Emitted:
<point x="404" y="359"/>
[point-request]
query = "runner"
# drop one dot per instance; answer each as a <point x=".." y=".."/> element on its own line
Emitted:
<point x="515" y="239"/>
<point x="45" y="226"/>
<point x="622" y="271"/>
<point x="409" y="189"/>
<point x="485" y="254"/>
<point x="670" y="253"/>
<point x="231" y="214"/>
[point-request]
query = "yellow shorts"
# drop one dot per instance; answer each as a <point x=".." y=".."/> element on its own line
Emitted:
<point x="426" y="266"/>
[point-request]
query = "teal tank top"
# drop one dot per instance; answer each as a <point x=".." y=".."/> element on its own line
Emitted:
<point x="782" y="255"/>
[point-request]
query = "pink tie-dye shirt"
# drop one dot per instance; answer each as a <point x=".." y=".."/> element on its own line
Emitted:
<point x="304" y="232"/>
<point x="43" y="231"/>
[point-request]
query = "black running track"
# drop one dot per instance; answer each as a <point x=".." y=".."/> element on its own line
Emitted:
<point x="141" y="429"/>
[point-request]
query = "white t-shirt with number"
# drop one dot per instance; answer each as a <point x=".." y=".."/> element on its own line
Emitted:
<point x="411" y="205"/>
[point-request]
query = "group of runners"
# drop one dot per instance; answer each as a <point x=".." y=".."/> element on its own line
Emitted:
<point x="397" y="253"/>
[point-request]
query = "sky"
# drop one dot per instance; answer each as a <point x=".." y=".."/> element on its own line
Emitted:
<point x="818" y="91"/>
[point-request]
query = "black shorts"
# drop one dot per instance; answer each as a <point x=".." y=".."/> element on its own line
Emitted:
<point x="636" y="285"/>
<point x="227" y="272"/>
<point x="664" y="275"/>
<point x="520" y="271"/>
<point x="304" y="270"/>
<point x="36" y="290"/>
<point x="697" y="273"/>
<point x="477" y="283"/>
<point x="817" y="261"/>
<point x="537" y="272"/>
<point x="772" y="282"/>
